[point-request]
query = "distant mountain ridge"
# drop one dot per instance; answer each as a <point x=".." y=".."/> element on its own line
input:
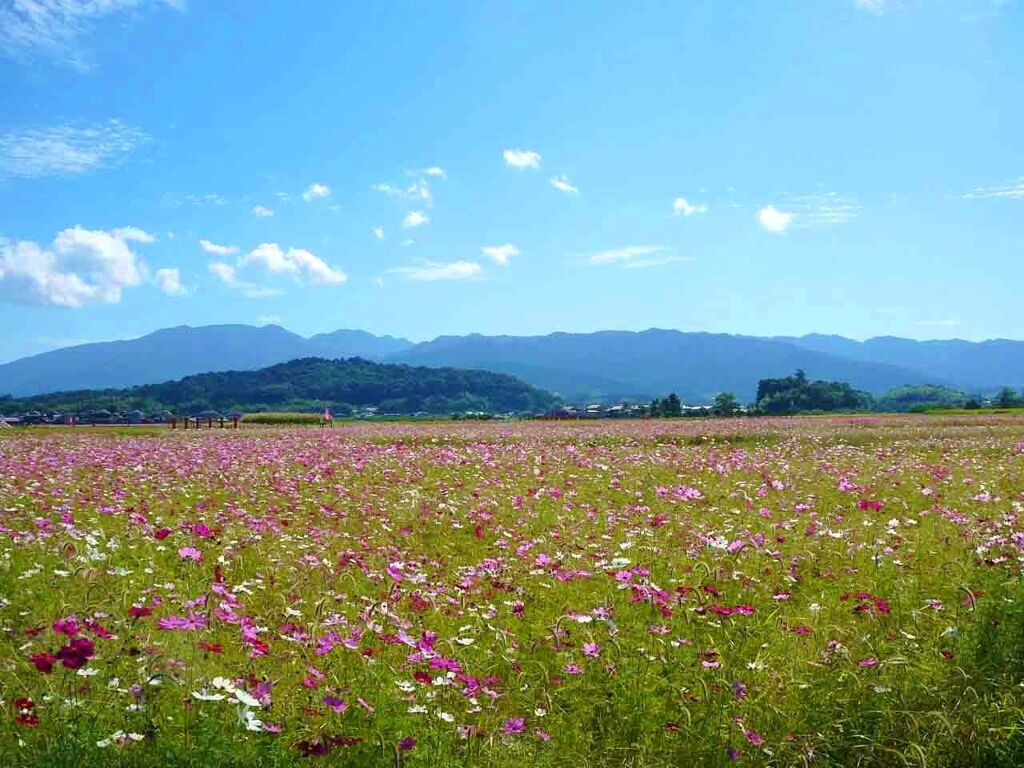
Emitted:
<point x="172" y="353"/>
<point x="600" y="366"/>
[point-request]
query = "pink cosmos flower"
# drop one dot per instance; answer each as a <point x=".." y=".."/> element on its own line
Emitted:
<point x="515" y="725"/>
<point x="870" y="661"/>
<point x="338" y="705"/>
<point x="591" y="650"/>
<point x="190" y="553"/>
<point x="67" y="626"/>
<point x="190" y="623"/>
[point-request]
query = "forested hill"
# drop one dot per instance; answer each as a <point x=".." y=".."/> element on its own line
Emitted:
<point x="307" y="384"/>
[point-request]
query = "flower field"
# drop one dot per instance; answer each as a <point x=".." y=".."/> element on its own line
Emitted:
<point x="762" y="592"/>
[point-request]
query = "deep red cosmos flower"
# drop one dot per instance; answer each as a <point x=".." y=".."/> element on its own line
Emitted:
<point x="76" y="653"/>
<point x="24" y="712"/>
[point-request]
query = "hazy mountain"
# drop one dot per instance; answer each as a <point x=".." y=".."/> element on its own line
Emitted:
<point x="175" y="352"/>
<point x="618" y="364"/>
<point x="607" y="365"/>
<point x="311" y="383"/>
<point x="975" y="366"/>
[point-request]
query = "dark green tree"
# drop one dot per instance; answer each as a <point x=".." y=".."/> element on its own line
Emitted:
<point x="672" y="406"/>
<point x="1007" y="397"/>
<point x="726" y="404"/>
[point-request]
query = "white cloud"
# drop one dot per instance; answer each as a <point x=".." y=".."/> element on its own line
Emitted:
<point x="228" y="275"/>
<point x="81" y="267"/>
<point x="295" y="261"/>
<point x="418" y="190"/>
<point x="625" y="254"/>
<point x="773" y="219"/>
<point x="435" y="171"/>
<point x="1012" y="191"/>
<point x="682" y="207"/>
<point x="55" y="27"/>
<point x="262" y="211"/>
<point x="521" y="158"/>
<point x="316" y="191"/>
<point x="635" y="257"/>
<point x="877" y="7"/>
<point x="654" y="261"/>
<point x="500" y="253"/>
<point x="270" y="319"/>
<point x="66" y="150"/>
<point x="431" y="271"/>
<point x="218" y="250"/>
<point x="378" y="232"/>
<point x="169" y="281"/>
<point x="561" y="183"/>
<point x="822" y="209"/>
<point x="415" y="219"/>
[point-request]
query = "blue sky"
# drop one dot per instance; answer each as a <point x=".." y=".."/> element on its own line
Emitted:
<point x="762" y="167"/>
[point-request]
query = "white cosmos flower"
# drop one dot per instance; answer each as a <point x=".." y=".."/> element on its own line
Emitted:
<point x="204" y="696"/>
<point x="446" y="716"/>
<point x="246" y="699"/>
<point x="252" y="723"/>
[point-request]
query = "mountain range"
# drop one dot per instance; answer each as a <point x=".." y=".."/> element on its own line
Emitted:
<point x="601" y="366"/>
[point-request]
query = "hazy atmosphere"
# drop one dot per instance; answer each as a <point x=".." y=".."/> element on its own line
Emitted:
<point x="845" y="166"/>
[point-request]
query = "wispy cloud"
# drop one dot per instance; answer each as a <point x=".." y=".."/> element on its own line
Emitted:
<point x="316" y="191"/>
<point x="418" y="190"/>
<point x="1012" y="190"/>
<point x="877" y="7"/>
<point x="500" y="254"/>
<point x="81" y="267"/>
<point x="270" y="319"/>
<point x="54" y="28"/>
<point x="228" y="275"/>
<point x="262" y="211"/>
<point x="66" y="149"/>
<point x="168" y="280"/>
<point x="561" y="183"/>
<point x="415" y="219"/>
<point x="218" y="250"/>
<point x="199" y="201"/>
<point x="682" y="207"/>
<point x="433" y="271"/>
<point x="825" y="209"/>
<point x="378" y="232"/>
<point x="635" y="257"/>
<point x="774" y="220"/>
<point x="521" y="158"/>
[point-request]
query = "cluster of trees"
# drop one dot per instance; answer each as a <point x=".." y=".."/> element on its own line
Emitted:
<point x="930" y="397"/>
<point x="725" y="404"/>
<point x="311" y="384"/>
<point x="796" y="394"/>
